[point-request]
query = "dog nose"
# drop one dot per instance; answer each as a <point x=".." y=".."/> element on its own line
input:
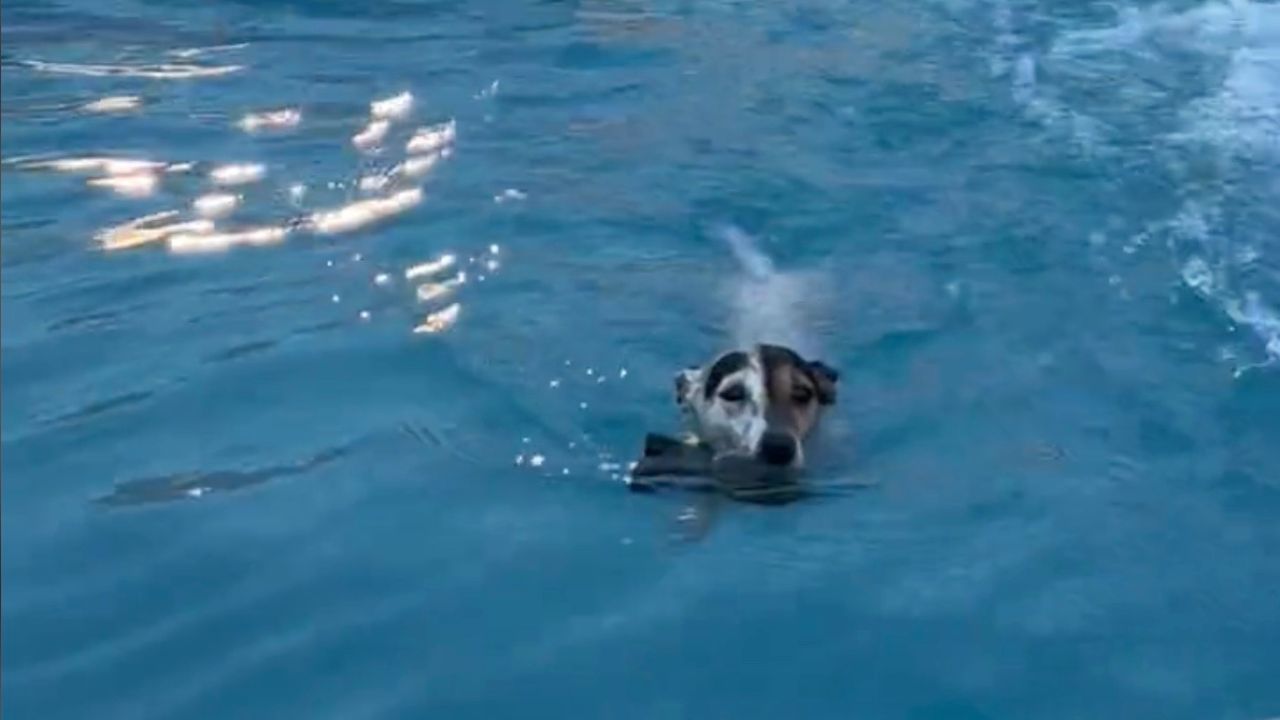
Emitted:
<point x="777" y="448"/>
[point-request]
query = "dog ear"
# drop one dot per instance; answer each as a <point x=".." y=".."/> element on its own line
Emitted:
<point x="825" y="378"/>
<point x="683" y="382"/>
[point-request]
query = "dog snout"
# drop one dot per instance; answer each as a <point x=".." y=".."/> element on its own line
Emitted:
<point x="778" y="448"/>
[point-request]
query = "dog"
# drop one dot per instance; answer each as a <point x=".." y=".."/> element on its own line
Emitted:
<point x="757" y="405"/>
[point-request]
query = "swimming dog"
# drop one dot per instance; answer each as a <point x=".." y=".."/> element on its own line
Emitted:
<point x="758" y="404"/>
<point x="748" y="413"/>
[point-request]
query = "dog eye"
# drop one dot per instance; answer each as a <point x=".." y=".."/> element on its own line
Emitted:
<point x="733" y="393"/>
<point x="802" y="396"/>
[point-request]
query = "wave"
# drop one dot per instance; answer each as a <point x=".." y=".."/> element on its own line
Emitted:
<point x="158" y="71"/>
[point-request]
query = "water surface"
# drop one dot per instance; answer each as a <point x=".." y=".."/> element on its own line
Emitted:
<point x="1040" y="242"/>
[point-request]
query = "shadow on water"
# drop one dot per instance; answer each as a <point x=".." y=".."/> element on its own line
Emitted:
<point x="193" y="485"/>
<point x="198" y="484"/>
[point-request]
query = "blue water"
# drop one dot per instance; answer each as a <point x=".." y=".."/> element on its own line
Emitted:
<point x="1039" y="239"/>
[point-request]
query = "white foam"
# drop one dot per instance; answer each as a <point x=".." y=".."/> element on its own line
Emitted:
<point x="768" y="305"/>
<point x="1253" y="312"/>
<point x="753" y="261"/>
<point x="1213" y="272"/>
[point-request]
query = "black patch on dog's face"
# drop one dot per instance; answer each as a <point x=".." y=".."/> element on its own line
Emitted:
<point x="726" y="365"/>
<point x="775" y="357"/>
<point x="823" y="377"/>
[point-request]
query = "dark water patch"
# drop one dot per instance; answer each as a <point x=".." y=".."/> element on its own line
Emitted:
<point x="92" y="320"/>
<point x="197" y="484"/>
<point x="102" y="407"/>
<point x="241" y="350"/>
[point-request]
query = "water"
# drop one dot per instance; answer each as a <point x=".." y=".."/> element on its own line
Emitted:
<point x="1040" y="241"/>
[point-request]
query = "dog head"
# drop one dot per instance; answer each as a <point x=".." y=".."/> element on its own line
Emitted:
<point x="760" y="403"/>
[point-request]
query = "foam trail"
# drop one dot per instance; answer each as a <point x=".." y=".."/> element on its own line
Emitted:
<point x="768" y="305"/>
<point x="744" y="249"/>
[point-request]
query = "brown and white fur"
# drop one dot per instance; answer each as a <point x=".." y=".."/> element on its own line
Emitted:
<point x="760" y="403"/>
